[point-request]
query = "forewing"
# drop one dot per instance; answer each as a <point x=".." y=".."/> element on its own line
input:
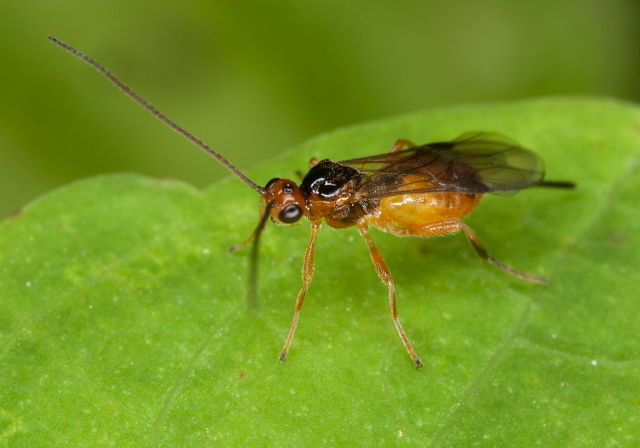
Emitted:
<point x="473" y="163"/>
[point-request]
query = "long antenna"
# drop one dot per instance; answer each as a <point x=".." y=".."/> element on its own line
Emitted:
<point x="158" y="114"/>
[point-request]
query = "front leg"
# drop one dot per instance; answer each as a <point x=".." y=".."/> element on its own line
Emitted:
<point x="307" y="275"/>
<point x="385" y="275"/>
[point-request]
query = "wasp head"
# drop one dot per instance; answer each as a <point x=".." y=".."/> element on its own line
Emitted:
<point x="285" y="201"/>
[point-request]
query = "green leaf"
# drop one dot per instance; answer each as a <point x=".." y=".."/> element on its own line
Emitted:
<point x="124" y="321"/>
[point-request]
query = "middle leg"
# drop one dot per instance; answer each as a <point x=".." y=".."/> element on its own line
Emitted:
<point x="385" y="275"/>
<point x="401" y="145"/>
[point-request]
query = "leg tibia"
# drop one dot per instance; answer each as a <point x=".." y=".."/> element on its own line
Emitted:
<point x="385" y="275"/>
<point x="482" y="252"/>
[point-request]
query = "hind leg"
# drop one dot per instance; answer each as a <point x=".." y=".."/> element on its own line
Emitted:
<point x="445" y="227"/>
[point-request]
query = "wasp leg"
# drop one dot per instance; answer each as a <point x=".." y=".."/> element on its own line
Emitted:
<point x="385" y="275"/>
<point x="401" y="144"/>
<point x="300" y="175"/>
<point x="446" y="227"/>
<point x="264" y="214"/>
<point x="482" y="252"/>
<point x="307" y="275"/>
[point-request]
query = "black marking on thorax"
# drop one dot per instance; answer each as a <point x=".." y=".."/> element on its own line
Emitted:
<point x="328" y="179"/>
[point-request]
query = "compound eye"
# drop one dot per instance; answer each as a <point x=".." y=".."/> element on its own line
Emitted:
<point x="290" y="214"/>
<point x="271" y="182"/>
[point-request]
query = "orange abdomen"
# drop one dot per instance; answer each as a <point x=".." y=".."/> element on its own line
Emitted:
<point x="410" y="214"/>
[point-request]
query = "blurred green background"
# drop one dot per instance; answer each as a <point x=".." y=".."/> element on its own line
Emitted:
<point x="253" y="78"/>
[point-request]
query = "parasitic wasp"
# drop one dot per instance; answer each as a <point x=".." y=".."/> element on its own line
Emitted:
<point x="412" y="190"/>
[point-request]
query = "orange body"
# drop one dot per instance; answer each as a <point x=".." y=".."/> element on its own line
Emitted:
<point x="409" y="191"/>
<point x="422" y="214"/>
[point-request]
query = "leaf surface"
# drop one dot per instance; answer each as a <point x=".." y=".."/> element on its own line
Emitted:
<point x="124" y="320"/>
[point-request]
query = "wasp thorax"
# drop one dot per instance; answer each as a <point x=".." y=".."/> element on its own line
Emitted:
<point x="329" y="180"/>
<point x="286" y="201"/>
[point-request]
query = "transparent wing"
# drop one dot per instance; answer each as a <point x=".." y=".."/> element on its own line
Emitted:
<point x="473" y="163"/>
